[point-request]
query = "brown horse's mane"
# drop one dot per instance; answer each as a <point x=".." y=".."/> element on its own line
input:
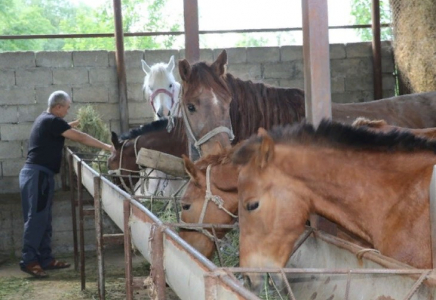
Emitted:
<point x="223" y="157"/>
<point x="253" y="105"/>
<point x="337" y="135"/>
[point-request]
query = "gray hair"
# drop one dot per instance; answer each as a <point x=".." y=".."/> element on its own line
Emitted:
<point x="58" y="97"/>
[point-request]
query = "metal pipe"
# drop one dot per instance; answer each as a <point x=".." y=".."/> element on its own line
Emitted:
<point x="73" y="211"/>
<point x="81" y="225"/>
<point x="376" y="50"/>
<point x="157" y="266"/>
<point x="192" y="44"/>
<point x="99" y="237"/>
<point x="127" y="250"/>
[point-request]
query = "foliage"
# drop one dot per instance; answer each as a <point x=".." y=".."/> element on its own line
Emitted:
<point x="361" y="11"/>
<point x="32" y="17"/>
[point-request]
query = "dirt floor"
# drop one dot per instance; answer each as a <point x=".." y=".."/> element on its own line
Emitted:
<point x="65" y="284"/>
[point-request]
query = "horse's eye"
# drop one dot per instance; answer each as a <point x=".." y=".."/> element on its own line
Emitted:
<point x="191" y="107"/>
<point x="171" y="85"/>
<point x="252" y="206"/>
<point x="186" y="206"/>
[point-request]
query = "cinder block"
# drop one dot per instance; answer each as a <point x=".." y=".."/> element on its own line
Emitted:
<point x="358" y="83"/>
<point x="133" y="59"/>
<point x="264" y="54"/>
<point x="11" y="149"/>
<point x="42" y="93"/>
<point x="135" y="75"/>
<point x="16" y="96"/>
<point x="113" y="93"/>
<point x="115" y="126"/>
<point x="271" y="82"/>
<point x="17" y="60"/>
<point x="290" y="53"/>
<point x="234" y="55"/>
<point x="107" y="76"/>
<point x="15" y="132"/>
<point x="8" y="114"/>
<point x="9" y="185"/>
<point x="7" y="78"/>
<point x="139" y="110"/>
<point x="28" y="113"/>
<point x="52" y="59"/>
<point x="292" y="83"/>
<point x="90" y="94"/>
<point x="337" y="85"/>
<point x="388" y="82"/>
<point x="152" y="57"/>
<point x="388" y="65"/>
<point x="289" y="70"/>
<point x="90" y="59"/>
<point x="353" y="97"/>
<point x="387" y="49"/>
<point x="337" y="51"/>
<point x="135" y="92"/>
<point x="246" y="71"/>
<point x="352" y="67"/>
<point x="354" y="50"/>
<point x="34" y="77"/>
<point x="12" y="167"/>
<point x="73" y="76"/>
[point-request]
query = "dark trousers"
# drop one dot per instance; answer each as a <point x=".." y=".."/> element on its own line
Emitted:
<point x="37" y="188"/>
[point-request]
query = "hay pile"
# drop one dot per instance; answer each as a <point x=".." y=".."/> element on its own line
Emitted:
<point x="415" y="42"/>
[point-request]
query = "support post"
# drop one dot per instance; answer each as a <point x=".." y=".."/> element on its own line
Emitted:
<point x="99" y="239"/>
<point x="73" y="211"/>
<point x="157" y="268"/>
<point x="192" y="44"/>
<point x="376" y="50"/>
<point x="127" y="250"/>
<point x="432" y="211"/>
<point x="81" y="224"/>
<point x="121" y="67"/>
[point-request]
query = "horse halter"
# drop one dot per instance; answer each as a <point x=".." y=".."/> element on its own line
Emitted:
<point x="118" y="171"/>
<point x="161" y="91"/>
<point x="215" y="199"/>
<point x="207" y="136"/>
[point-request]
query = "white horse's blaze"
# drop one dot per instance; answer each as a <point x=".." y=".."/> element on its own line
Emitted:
<point x="160" y="88"/>
<point x="215" y="100"/>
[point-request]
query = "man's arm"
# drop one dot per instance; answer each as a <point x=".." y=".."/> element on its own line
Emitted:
<point x="86" y="139"/>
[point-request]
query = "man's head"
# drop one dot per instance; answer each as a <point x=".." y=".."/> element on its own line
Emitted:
<point x="59" y="103"/>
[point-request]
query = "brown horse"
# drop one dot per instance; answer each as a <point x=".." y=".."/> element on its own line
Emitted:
<point x="200" y="205"/>
<point x="154" y="136"/>
<point x="216" y="106"/>
<point x="376" y="185"/>
<point x="383" y="126"/>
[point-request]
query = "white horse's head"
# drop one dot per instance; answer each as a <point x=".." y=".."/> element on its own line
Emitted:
<point x="161" y="88"/>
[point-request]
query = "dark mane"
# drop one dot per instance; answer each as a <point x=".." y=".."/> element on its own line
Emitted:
<point x="152" y="127"/>
<point x="253" y="105"/>
<point x="338" y="135"/>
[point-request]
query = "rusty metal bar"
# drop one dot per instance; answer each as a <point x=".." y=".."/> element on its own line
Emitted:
<point x="157" y="265"/>
<point x="113" y="239"/>
<point x="171" y="33"/>
<point x="73" y="211"/>
<point x="81" y="225"/>
<point x="192" y="44"/>
<point x="202" y="225"/>
<point x="288" y="286"/>
<point x="127" y="250"/>
<point x="329" y="271"/>
<point x="432" y="210"/>
<point x="99" y="237"/>
<point x="376" y="50"/>
<point x="121" y="67"/>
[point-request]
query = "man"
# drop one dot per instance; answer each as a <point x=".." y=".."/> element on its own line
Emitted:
<point x="37" y="182"/>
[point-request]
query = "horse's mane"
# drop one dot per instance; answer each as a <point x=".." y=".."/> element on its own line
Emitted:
<point x="253" y="105"/>
<point x="223" y="157"/>
<point x="152" y="127"/>
<point x="338" y="135"/>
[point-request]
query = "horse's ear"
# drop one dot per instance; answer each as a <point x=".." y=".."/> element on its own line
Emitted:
<point x="115" y="141"/>
<point x="145" y="67"/>
<point x="262" y="132"/>
<point x="219" y="66"/>
<point x="265" y="153"/>
<point x="170" y="66"/>
<point x="184" y="69"/>
<point x="190" y="168"/>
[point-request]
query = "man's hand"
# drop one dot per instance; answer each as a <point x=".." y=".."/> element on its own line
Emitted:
<point x="74" y="124"/>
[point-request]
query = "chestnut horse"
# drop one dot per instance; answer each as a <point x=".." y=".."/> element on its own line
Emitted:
<point x="152" y="136"/>
<point x="383" y="126"/>
<point x="216" y="106"/>
<point x="376" y="185"/>
<point x="211" y="197"/>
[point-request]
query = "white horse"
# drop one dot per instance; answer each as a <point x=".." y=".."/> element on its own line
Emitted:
<point x="161" y="89"/>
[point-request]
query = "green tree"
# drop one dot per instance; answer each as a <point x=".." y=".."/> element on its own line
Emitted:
<point x="361" y="11"/>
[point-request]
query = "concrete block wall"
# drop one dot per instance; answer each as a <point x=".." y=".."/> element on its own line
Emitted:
<point x="90" y="77"/>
